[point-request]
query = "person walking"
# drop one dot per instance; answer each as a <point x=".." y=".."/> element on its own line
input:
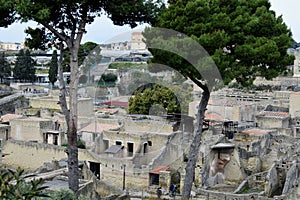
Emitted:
<point x="158" y="192"/>
<point x="172" y="190"/>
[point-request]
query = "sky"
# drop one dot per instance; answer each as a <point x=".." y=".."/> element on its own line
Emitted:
<point x="102" y="29"/>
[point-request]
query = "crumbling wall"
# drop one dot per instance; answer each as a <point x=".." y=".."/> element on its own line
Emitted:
<point x="291" y="179"/>
<point x="96" y="188"/>
<point x="10" y="106"/>
<point x="272" y="181"/>
<point x="214" y="195"/>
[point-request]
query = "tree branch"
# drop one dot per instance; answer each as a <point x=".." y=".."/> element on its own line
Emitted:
<point x="62" y="87"/>
<point x="54" y="31"/>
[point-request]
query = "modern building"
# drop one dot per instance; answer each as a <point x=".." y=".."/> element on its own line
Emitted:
<point x="12" y="46"/>
<point x="137" y="41"/>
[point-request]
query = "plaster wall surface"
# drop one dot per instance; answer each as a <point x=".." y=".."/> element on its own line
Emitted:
<point x="31" y="156"/>
<point x="295" y="104"/>
<point x="85" y="105"/>
<point x="29" y="129"/>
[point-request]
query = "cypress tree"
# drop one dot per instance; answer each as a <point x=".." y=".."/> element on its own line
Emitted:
<point x="24" y="67"/>
<point x="5" y="69"/>
<point x="53" y="66"/>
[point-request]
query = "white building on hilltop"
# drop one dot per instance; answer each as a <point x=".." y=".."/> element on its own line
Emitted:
<point x="296" y="68"/>
<point x="12" y="46"/>
<point x="137" y="41"/>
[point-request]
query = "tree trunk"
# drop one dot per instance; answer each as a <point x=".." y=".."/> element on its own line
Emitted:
<point x="195" y="146"/>
<point x="72" y="134"/>
<point x="62" y="88"/>
<point x="70" y="115"/>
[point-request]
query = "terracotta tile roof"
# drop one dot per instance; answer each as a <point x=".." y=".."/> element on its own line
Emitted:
<point x="116" y="103"/>
<point x="158" y="169"/>
<point x="7" y="117"/>
<point x="255" y="131"/>
<point x="214" y="116"/>
<point x="98" y="128"/>
<point x="272" y="114"/>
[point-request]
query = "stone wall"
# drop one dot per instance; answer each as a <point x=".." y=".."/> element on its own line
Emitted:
<point x="214" y="195"/>
<point x="294" y="104"/>
<point x="12" y="105"/>
<point x="100" y="187"/>
<point x="291" y="179"/>
<point x="152" y="142"/>
<point x="272" y="122"/>
<point x="4" y="132"/>
<point x="85" y="105"/>
<point x="236" y="112"/>
<point x="272" y="181"/>
<point x="112" y="172"/>
<point x="149" y="126"/>
<point x="30" y="156"/>
<point x="30" y="129"/>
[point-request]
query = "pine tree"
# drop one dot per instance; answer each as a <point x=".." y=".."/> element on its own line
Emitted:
<point x="53" y="68"/>
<point x="243" y="38"/>
<point x="24" y="67"/>
<point x="5" y="69"/>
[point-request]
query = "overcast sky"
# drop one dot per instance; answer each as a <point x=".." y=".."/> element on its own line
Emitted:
<point x="102" y="30"/>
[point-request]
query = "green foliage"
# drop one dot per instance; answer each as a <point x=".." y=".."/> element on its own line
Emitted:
<point x="85" y="57"/>
<point x="53" y="68"/>
<point x="65" y="22"/>
<point x="110" y="77"/>
<point x="81" y="144"/>
<point x="6" y="13"/>
<point x="24" y="66"/>
<point x="139" y="80"/>
<point x="39" y="38"/>
<point x="14" y="186"/>
<point x="5" y="69"/>
<point x="63" y="194"/>
<point x="159" y="100"/>
<point x="244" y="38"/>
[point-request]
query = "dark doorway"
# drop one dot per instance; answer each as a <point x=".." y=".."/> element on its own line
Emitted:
<point x="106" y="144"/>
<point x="154" y="179"/>
<point x="55" y="140"/>
<point x="130" y="146"/>
<point x="95" y="168"/>
<point x="145" y="147"/>
<point x="6" y="134"/>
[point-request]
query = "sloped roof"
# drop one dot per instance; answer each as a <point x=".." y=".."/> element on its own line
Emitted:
<point x="255" y="131"/>
<point x="272" y="114"/>
<point x="114" y="149"/>
<point x="223" y="146"/>
<point x="158" y="169"/>
<point x="7" y="117"/>
<point x="214" y="116"/>
<point x="98" y="128"/>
